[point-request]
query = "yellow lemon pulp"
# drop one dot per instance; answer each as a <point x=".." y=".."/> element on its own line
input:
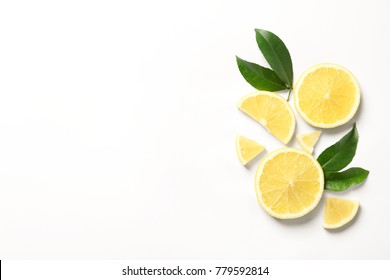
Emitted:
<point x="247" y="149"/>
<point x="339" y="212"/>
<point x="308" y="140"/>
<point x="327" y="95"/>
<point x="272" y="112"/>
<point x="289" y="183"/>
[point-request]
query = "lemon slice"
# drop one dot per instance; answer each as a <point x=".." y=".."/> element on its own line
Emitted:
<point x="339" y="212"/>
<point x="327" y="95"/>
<point x="271" y="111"/>
<point x="247" y="149"/>
<point x="289" y="183"/>
<point x="308" y="140"/>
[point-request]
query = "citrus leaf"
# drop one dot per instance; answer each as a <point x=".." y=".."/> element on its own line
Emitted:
<point x="276" y="54"/>
<point x="340" y="181"/>
<point x="340" y="154"/>
<point x="259" y="77"/>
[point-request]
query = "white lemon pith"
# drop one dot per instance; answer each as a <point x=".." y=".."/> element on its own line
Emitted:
<point x="289" y="183"/>
<point x="308" y="140"/>
<point x="339" y="212"/>
<point x="271" y="111"/>
<point x="327" y="95"/>
<point x="247" y="149"/>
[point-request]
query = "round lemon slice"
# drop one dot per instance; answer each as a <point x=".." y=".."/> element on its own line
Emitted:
<point x="327" y="95"/>
<point x="271" y="111"/>
<point x="289" y="183"/>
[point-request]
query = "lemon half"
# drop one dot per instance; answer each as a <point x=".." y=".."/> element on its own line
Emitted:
<point x="271" y="111"/>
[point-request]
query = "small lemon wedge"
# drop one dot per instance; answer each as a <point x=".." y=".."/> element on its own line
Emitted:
<point x="308" y="140"/>
<point x="339" y="211"/>
<point x="247" y="149"/>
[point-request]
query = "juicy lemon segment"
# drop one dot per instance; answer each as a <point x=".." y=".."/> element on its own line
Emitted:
<point x="289" y="183"/>
<point x="247" y="149"/>
<point x="327" y="95"/>
<point x="308" y="140"/>
<point x="271" y="111"/>
<point x="339" y="212"/>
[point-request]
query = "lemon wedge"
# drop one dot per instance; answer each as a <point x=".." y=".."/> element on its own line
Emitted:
<point x="247" y="149"/>
<point x="308" y="140"/>
<point x="271" y="111"/>
<point x="339" y="211"/>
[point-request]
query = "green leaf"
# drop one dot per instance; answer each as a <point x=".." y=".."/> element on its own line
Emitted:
<point x="276" y="54"/>
<point x="340" y="154"/>
<point x="259" y="77"/>
<point x="340" y="181"/>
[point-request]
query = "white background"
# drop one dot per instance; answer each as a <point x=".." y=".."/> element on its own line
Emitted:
<point x="118" y="121"/>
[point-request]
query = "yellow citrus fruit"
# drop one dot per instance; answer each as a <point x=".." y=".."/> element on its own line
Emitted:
<point x="339" y="211"/>
<point x="289" y="183"/>
<point x="327" y="95"/>
<point x="308" y="140"/>
<point x="247" y="149"/>
<point x="271" y="111"/>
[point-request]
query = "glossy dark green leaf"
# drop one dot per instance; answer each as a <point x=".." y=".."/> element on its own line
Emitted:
<point x="340" y="154"/>
<point x="259" y="77"/>
<point x="340" y="181"/>
<point x="276" y="54"/>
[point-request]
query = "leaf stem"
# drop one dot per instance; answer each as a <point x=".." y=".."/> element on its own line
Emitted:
<point x="289" y="93"/>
